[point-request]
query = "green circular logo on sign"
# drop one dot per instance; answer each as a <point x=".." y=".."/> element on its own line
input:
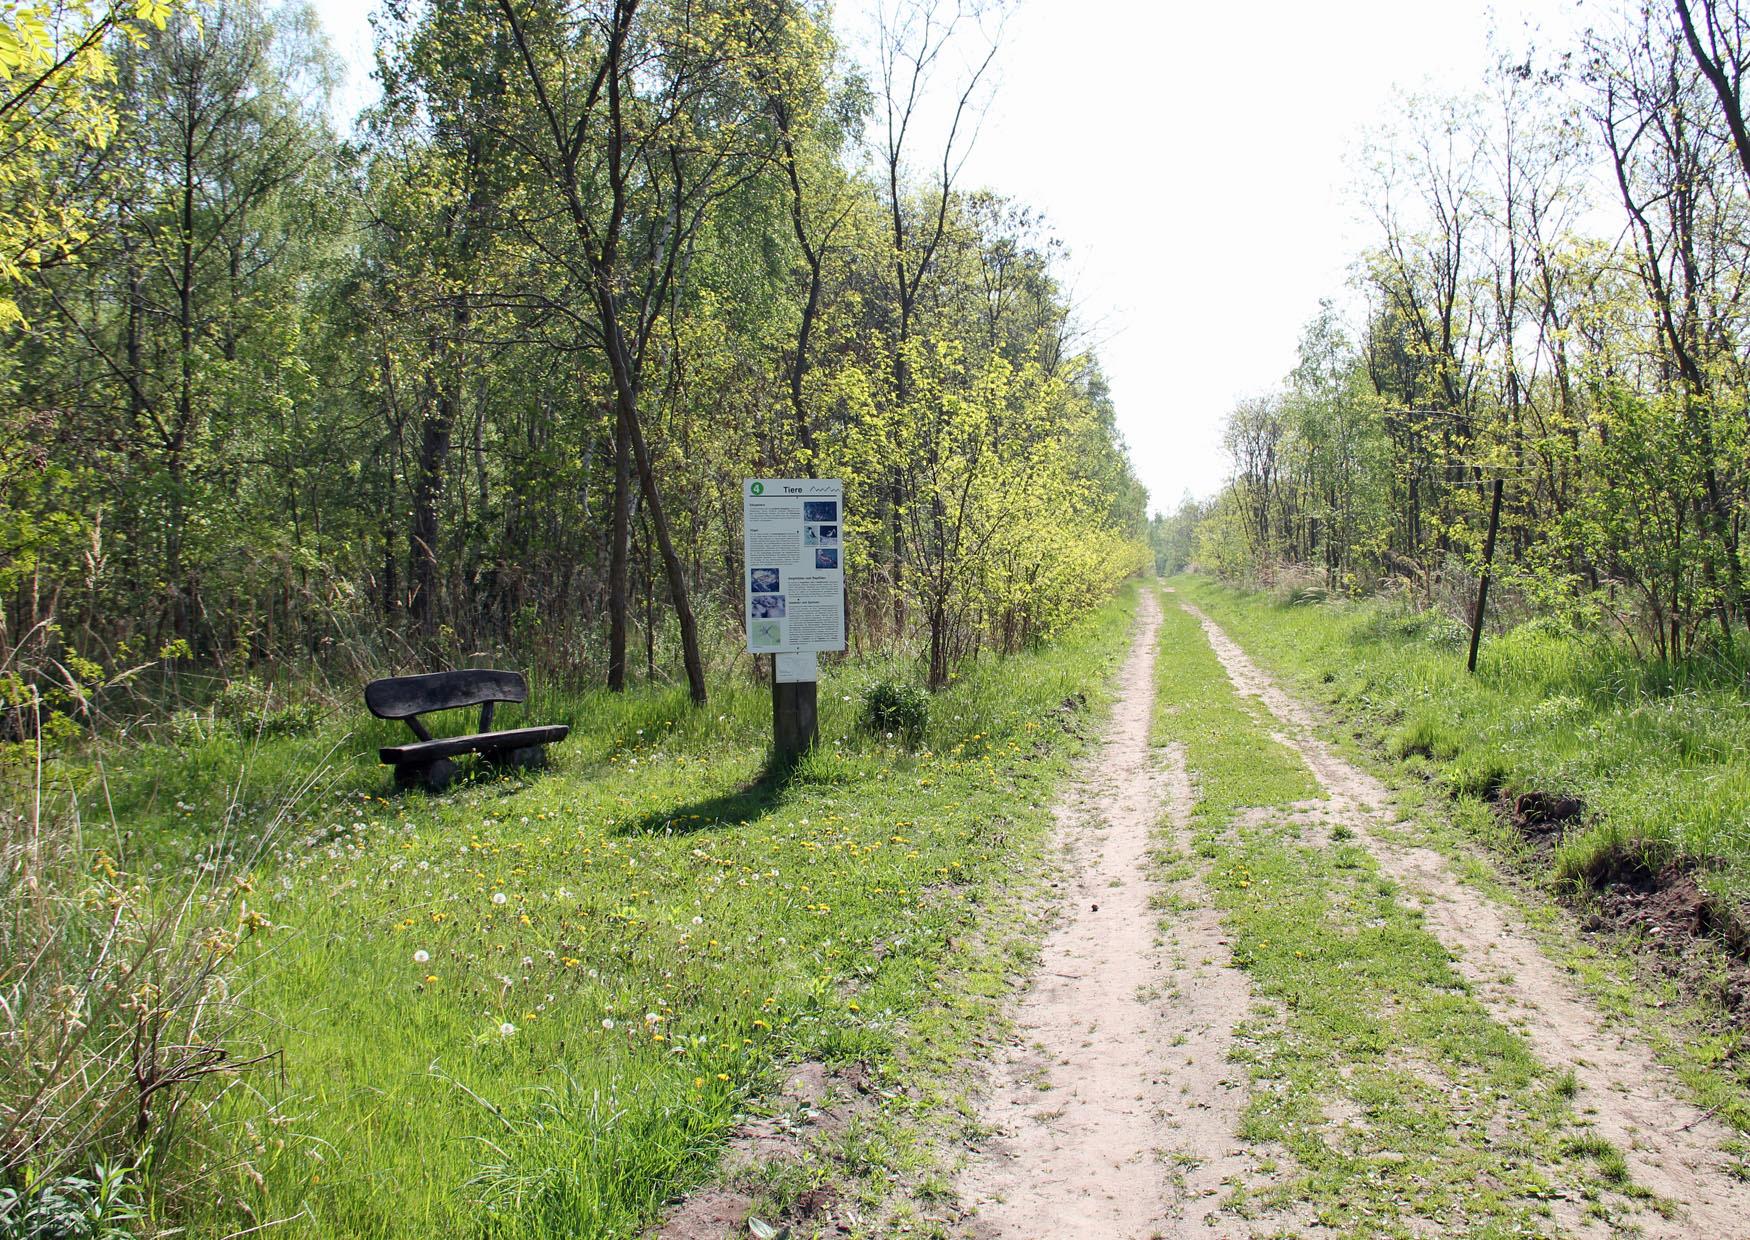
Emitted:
<point x="758" y="488"/>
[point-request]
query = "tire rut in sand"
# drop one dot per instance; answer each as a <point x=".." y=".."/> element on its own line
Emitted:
<point x="1115" y="1108"/>
<point x="1672" y="1147"/>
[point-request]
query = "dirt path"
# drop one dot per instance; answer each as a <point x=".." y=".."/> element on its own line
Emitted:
<point x="1113" y="1110"/>
<point x="1672" y="1148"/>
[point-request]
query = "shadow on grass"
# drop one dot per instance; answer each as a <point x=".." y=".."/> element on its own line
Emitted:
<point x="748" y="803"/>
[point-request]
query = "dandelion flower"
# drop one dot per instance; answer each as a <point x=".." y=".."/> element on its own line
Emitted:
<point x="506" y="1029"/>
<point x="421" y="956"/>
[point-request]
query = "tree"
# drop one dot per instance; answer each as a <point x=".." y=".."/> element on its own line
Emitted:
<point x="175" y="329"/>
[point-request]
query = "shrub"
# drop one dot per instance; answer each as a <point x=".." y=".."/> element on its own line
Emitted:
<point x="72" y="1207"/>
<point x="895" y="708"/>
<point x="250" y="707"/>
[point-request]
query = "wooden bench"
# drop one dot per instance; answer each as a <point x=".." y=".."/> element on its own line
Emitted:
<point x="427" y="762"/>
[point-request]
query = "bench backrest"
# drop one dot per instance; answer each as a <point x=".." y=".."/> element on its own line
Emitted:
<point x="400" y="697"/>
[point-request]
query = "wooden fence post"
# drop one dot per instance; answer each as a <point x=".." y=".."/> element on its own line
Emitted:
<point x="1476" y="624"/>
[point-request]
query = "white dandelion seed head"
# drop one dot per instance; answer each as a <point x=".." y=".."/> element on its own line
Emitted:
<point x="506" y="1029"/>
<point x="421" y="956"/>
<point x="498" y="897"/>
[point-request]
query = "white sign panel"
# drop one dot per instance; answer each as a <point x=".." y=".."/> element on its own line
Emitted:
<point x="793" y="535"/>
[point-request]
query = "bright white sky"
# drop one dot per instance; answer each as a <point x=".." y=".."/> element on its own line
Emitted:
<point x="1193" y="158"/>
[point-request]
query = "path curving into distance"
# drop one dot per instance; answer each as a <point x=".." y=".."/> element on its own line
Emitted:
<point x="1114" y="1110"/>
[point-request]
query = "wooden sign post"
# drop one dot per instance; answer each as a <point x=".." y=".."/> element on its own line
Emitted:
<point x="795" y="705"/>
<point x="793" y="537"/>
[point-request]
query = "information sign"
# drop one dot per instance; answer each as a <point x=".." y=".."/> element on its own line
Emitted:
<point x="793" y="536"/>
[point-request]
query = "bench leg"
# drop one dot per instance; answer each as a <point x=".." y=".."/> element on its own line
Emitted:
<point x="528" y="756"/>
<point x="432" y="776"/>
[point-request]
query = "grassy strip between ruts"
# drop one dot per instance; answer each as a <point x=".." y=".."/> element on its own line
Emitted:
<point x="1660" y="755"/>
<point x="536" y="1006"/>
<point x="1399" y="1100"/>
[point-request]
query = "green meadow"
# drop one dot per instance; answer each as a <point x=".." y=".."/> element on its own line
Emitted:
<point x="536" y="1005"/>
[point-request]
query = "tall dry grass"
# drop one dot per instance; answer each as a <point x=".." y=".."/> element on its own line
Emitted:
<point x="117" y="1009"/>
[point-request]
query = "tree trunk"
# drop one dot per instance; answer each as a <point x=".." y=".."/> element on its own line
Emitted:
<point x="938" y="647"/>
<point x="622" y="532"/>
<point x="626" y="401"/>
<point x="422" y="540"/>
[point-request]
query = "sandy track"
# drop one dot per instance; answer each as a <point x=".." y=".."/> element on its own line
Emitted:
<point x="1114" y="1108"/>
<point x="1673" y="1149"/>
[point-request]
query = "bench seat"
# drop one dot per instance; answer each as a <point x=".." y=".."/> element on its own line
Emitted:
<point x="479" y="742"/>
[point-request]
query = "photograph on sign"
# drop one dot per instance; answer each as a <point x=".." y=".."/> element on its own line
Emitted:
<point x="793" y="532"/>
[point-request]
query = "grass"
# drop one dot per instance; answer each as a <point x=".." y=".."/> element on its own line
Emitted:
<point x="1659" y="753"/>
<point x="1400" y="1101"/>
<point x="537" y="1005"/>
